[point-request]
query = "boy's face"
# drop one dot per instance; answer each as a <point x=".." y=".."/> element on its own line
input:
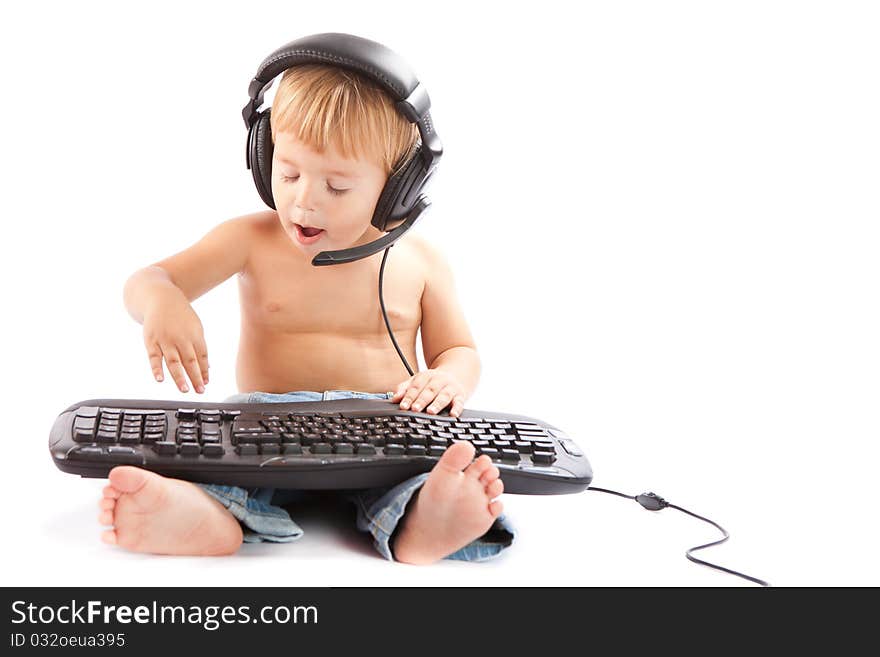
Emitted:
<point x="324" y="191"/>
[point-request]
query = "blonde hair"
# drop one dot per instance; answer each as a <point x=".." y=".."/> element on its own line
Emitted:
<point x="323" y="105"/>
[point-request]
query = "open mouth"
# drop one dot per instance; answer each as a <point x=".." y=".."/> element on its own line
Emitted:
<point x="308" y="234"/>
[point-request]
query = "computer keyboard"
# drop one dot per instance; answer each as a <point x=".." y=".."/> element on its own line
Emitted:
<point x="338" y="444"/>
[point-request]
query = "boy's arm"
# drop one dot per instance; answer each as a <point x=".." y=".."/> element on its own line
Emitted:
<point x="159" y="296"/>
<point x="221" y="253"/>
<point x="447" y="343"/>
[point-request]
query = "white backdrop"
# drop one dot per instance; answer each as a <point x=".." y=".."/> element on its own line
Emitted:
<point x="662" y="218"/>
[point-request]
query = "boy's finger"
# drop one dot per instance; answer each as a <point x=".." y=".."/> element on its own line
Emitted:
<point x="426" y="395"/>
<point x="401" y="388"/>
<point x="193" y="369"/>
<point x="416" y="383"/>
<point x="154" y="353"/>
<point x="457" y="406"/>
<point x="175" y="367"/>
<point x="202" y="352"/>
<point x="441" y="401"/>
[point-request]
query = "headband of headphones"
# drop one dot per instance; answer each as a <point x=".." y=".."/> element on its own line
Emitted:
<point x="401" y="198"/>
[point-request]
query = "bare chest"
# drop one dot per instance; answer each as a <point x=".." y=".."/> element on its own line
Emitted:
<point x="281" y="292"/>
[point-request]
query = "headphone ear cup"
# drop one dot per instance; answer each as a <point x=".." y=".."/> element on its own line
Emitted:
<point x="260" y="149"/>
<point x="389" y="210"/>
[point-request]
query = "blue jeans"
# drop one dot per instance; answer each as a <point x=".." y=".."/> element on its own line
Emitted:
<point x="379" y="510"/>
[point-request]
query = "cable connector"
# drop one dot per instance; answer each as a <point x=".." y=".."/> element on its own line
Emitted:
<point x="651" y="501"/>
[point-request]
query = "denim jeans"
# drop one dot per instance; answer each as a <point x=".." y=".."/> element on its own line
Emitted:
<point x="379" y="510"/>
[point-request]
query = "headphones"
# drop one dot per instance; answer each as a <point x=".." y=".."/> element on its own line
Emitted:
<point x="401" y="201"/>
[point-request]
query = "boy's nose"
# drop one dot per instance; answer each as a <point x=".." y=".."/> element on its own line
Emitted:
<point x="305" y="200"/>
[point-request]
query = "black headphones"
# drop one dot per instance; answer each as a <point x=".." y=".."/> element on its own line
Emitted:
<point x="401" y="201"/>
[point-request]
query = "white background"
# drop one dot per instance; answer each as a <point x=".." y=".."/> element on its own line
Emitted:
<point x="662" y="218"/>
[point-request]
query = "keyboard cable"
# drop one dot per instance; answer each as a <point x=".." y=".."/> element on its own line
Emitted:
<point x="649" y="501"/>
<point x="653" y="502"/>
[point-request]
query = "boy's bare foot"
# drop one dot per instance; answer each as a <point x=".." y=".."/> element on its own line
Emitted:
<point x="452" y="508"/>
<point x="150" y="513"/>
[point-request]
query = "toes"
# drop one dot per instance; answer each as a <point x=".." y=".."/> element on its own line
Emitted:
<point x="495" y="508"/>
<point x="146" y="488"/>
<point x="127" y="479"/>
<point x="478" y="468"/>
<point x="495" y="488"/>
<point x="489" y="475"/>
<point x="110" y="492"/>
<point x="106" y="504"/>
<point x="457" y="456"/>
<point x="109" y="537"/>
<point x="106" y="518"/>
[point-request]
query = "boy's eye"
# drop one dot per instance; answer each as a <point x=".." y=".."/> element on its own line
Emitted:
<point x="330" y="189"/>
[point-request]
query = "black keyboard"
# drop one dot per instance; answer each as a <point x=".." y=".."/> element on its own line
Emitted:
<point x="339" y="444"/>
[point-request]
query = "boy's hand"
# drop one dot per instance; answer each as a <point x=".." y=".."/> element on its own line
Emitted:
<point x="432" y="390"/>
<point x="173" y="330"/>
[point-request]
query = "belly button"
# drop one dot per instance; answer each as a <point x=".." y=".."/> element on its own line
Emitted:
<point x="273" y="307"/>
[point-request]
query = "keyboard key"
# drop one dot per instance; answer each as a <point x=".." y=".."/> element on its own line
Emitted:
<point x="509" y="455"/>
<point x="364" y="449"/>
<point x="129" y="438"/>
<point x="394" y="450"/>
<point x="571" y="447"/>
<point x="436" y="450"/>
<point x="185" y="414"/>
<point x="321" y="448"/>
<point x="246" y="449"/>
<point x="489" y="451"/>
<point x="124" y="454"/>
<point x="270" y="450"/>
<point x="165" y="447"/>
<point x="343" y="448"/>
<point x="292" y="448"/>
<point x="190" y="449"/>
<point x="84" y="435"/>
<point x="523" y="446"/>
<point x="86" y="453"/>
<point x="105" y="437"/>
<point x="228" y="414"/>
<point x="543" y="457"/>
<point x="213" y="450"/>
<point x="151" y="437"/>
<point x="416" y="450"/>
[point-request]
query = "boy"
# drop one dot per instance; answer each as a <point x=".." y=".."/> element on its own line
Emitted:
<point x="337" y="137"/>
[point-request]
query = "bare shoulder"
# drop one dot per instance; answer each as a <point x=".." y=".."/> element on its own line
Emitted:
<point x="434" y="262"/>
<point x="221" y="253"/>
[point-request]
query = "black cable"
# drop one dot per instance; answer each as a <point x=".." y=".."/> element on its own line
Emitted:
<point x="647" y="500"/>
<point x="385" y="315"/>
<point x="654" y="502"/>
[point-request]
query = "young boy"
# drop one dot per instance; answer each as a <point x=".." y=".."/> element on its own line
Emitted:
<point x="337" y="137"/>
